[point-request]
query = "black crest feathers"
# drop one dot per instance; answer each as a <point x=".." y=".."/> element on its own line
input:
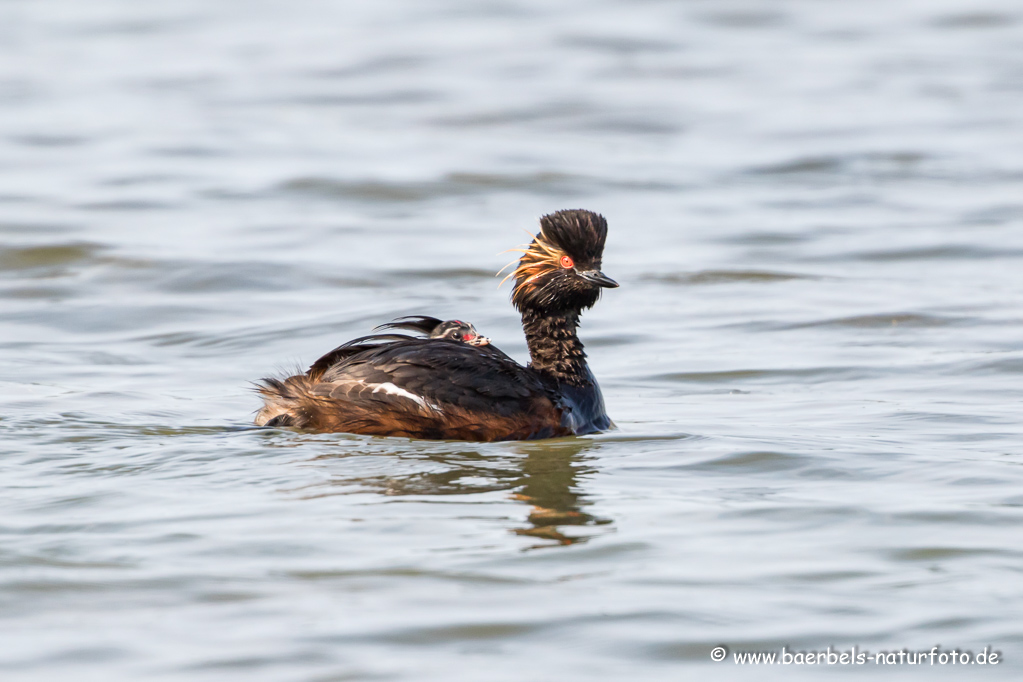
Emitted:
<point x="577" y="232"/>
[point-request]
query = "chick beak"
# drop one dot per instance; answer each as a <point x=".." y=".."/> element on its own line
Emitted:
<point x="599" y="278"/>
<point x="479" y="341"/>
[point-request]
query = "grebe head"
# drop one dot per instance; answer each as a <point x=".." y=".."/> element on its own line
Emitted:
<point x="453" y="330"/>
<point x="560" y="269"/>
<point x="456" y="330"/>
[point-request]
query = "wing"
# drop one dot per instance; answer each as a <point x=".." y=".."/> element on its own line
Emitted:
<point x="391" y="384"/>
<point x="353" y="347"/>
<point x="422" y="388"/>
<point x="438" y="372"/>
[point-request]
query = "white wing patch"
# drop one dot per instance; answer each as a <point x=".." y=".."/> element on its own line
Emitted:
<point x="391" y="389"/>
<point x="358" y="388"/>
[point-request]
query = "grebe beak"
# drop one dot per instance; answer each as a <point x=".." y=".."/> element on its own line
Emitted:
<point x="479" y="341"/>
<point x="599" y="278"/>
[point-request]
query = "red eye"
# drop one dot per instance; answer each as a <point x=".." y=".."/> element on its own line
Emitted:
<point x="567" y="262"/>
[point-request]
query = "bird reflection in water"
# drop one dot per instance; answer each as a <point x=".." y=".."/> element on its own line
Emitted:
<point x="549" y="483"/>
<point x="543" y="474"/>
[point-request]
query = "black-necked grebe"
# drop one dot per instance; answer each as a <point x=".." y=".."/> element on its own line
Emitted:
<point x="397" y="385"/>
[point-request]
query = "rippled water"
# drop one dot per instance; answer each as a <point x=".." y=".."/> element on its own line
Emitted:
<point x="814" y="359"/>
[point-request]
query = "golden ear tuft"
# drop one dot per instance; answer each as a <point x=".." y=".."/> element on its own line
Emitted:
<point x="539" y="256"/>
<point x="510" y="274"/>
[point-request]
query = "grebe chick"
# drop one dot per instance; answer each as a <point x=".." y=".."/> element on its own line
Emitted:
<point x="455" y="330"/>
<point x="398" y="385"/>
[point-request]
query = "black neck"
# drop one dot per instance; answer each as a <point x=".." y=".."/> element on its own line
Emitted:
<point x="554" y="347"/>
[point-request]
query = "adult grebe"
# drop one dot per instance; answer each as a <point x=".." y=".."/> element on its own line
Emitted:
<point x="397" y="385"/>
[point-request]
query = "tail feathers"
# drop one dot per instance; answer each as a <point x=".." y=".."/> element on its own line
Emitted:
<point x="282" y="402"/>
<point x="300" y="401"/>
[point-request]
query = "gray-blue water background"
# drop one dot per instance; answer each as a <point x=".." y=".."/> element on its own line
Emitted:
<point x="814" y="359"/>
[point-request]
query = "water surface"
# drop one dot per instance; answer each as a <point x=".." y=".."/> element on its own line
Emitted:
<point x="814" y="359"/>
